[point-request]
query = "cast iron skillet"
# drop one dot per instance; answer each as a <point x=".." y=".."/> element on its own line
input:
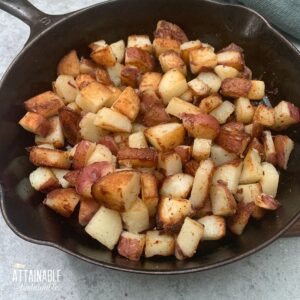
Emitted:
<point x="269" y="55"/>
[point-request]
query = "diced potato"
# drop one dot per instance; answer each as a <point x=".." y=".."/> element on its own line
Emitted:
<point x="177" y="106"/>
<point x="71" y="177"/>
<point x="105" y="227"/>
<point x="169" y="163"/>
<point x="149" y="192"/>
<point x="201" y="125"/>
<point x="201" y="149"/>
<point x="59" y="174"/>
<point x="188" y="238"/>
<point x="46" y="104"/>
<point x="104" y="56"/>
<point x="88" y="208"/>
<point x="69" y="64"/>
<point x="232" y="59"/>
<point x="223" y="111"/>
<point x="140" y="41"/>
<point x="286" y="114"/>
<point x="264" y="115"/>
<point x="187" y="96"/>
<point x="156" y="115"/>
<point x="100" y="153"/>
<point x="162" y="45"/>
<point x="209" y="103"/>
<point x="118" y="49"/>
<point x="252" y="170"/>
<point x="83" y="80"/>
<point x="191" y="167"/>
<point x="214" y="227"/>
<point x="93" y="97"/>
<point x="169" y="30"/>
<point x="74" y="107"/>
<point x="269" y="147"/>
<point x="199" y="87"/>
<point x="131" y="245"/>
<point x="43" y="180"/>
<point x="177" y="186"/>
<point x="111" y="120"/>
<point x="257" y="90"/>
<point x="115" y="72"/>
<point x="88" y="130"/>
<point x="102" y="76"/>
<point x="172" y="84"/>
<point x="62" y="201"/>
<point x="137" y="157"/>
<point x="270" y="179"/>
<point x="49" y="158"/>
<point x="86" y="66"/>
<point x="66" y="88"/>
<point x="248" y="192"/>
<point x="137" y="140"/>
<point x="109" y="142"/>
<point x="97" y="44"/>
<point x="139" y="58"/>
<point x="158" y="243"/>
<point x="226" y="72"/>
<point x="229" y="173"/>
<point x="82" y="153"/>
<point x="127" y="104"/>
<point x="130" y="75"/>
<point x="238" y="222"/>
<point x="36" y="124"/>
<point x="236" y="87"/>
<point x="201" y="185"/>
<point x="118" y="190"/>
<point x="244" y="111"/>
<point x="185" y="153"/>
<point x="150" y="81"/>
<point x="267" y="202"/>
<point x="137" y="127"/>
<point x="222" y="200"/>
<point x="221" y="156"/>
<point x="187" y="47"/>
<point x="284" y="146"/>
<point x="171" y="213"/>
<point x="211" y="80"/>
<point x="202" y="59"/>
<point x="171" y="60"/>
<point x="136" y="218"/>
<point x="165" y="137"/>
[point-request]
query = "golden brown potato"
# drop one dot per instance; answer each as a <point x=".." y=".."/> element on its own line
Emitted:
<point x="169" y="163"/>
<point x="82" y="153"/>
<point x="211" y="80"/>
<point x="118" y="190"/>
<point x="171" y="60"/>
<point x="62" y="201"/>
<point x="150" y="81"/>
<point x="49" y="158"/>
<point x="267" y="202"/>
<point x="226" y="72"/>
<point x="83" y="80"/>
<point x="35" y="123"/>
<point x="86" y="66"/>
<point x="88" y="208"/>
<point x="177" y="106"/>
<point x="209" y="103"/>
<point x="199" y="87"/>
<point x="283" y="146"/>
<point x="140" y="41"/>
<point x="131" y="75"/>
<point x="214" y="227"/>
<point x="128" y="103"/>
<point x="139" y="58"/>
<point x="102" y="76"/>
<point x="257" y="90"/>
<point x="162" y="45"/>
<point x="202" y="59"/>
<point x="169" y="30"/>
<point x="201" y="149"/>
<point x="103" y="55"/>
<point x="66" y="88"/>
<point x="46" y="104"/>
<point x="187" y="47"/>
<point x="232" y="59"/>
<point x="264" y="115"/>
<point x="43" y="180"/>
<point x="69" y="64"/>
<point x="235" y="87"/>
<point x="244" y="111"/>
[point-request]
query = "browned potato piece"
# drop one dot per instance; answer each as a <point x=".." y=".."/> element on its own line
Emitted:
<point x="177" y="106"/>
<point x="221" y="156"/>
<point x="43" y="180"/>
<point x="140" y="59"/>
<point x="202" y="59"/>
<point x="191" y="167"/>
<point x="137" y="157"/>
<point x="226" y="72"/>
<point x="238" y="222"/>
<point x="156" y="115"/>
<point x="70" y="120"/>
<point x="110" y="143"/>
<point x="188" y="238"/>
<point x="131" y="245"/>
<point x="214" y="227"/>
<point x="185" y="153"/>
<point x="257" y="90"/>
<point x="244" y="111"/>
<point x="199" y="87"/>
<point x="130" y="75"/>
<point x="66" y="88"/>
<point x="102" y="76"/>
<point x="84" y="80"/>
<point x="267" y="202"/>
<point x="264" y="115"/>
<point x="209" y="103"/>
<point x="171" y="60"/>
<point x="35" y="123"/>
<point x="88" y="207"/>
<point x="158" y="243"/>
<point x="118" y="49"/>
<point x="201" y="125"/>
<point x="232" y="59"/>
<point x="71" y="177"/>
<point x="169" y="163"/>
<point x="118" y="190"/>
<point x="69" y="64"/>
<point x="49" y="158"/>
<point x="62" y="201"/>
<point x="128" y="103"/>
<point x="171" y="213"/>
<point x="284" y="146"/>
<point x="165" y="137"/>
<point x="169" y="30"/>
<point x="86" y="66"/>
<point x="103" y="55"/>
<point x="149" y="192"/>
<point x="187" y="47"/>
<point x="201" y="149"/>
<point x="140" y="41"/>
<point x="150" y="81"/>
<point x="162" y="45"/>
<point x="235" y="87"/>
<point x="46" y="104"/>
<point x="82" y="153"/>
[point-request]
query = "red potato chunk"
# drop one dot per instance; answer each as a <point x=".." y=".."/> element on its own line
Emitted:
<point x="235" y="87"/>
<point x="88" y="207"/>
<point x="140" y="59"/>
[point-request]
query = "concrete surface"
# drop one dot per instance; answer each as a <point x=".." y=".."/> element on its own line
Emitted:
<point x="273" y="273"/>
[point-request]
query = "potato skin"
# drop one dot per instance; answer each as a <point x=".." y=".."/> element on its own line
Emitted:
<point x="235" y="87"/>
<point x="131" y="247"/>
<point x="169" y="30"/>
<point x="88" y="207"/>
<point x="139" y="58"/>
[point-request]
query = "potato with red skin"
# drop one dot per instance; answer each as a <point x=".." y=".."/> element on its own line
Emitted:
<point x="89" y="175"/>
<point x="83" y="80"/>
<point x="267" y="202"/>
<point x="150" y="81"/>
<point x="269" y="148"/>
<point x="191" y="167"/>
<point x="169" y="30"/>
<point x="201" y="125"/>
<point x="88" y="207"/>
<point x="71" y="177"/>
<point x="209" y="103"/>
<point x="131" y="245"/>
<point x="82" y="153"/>
<point x="110" y="143"/>
<point x="235" y="87"/>
<point x="264" y="115"/>
<point x="185" y="153"/>
<point x="256" y="144"/>
<point x="131" y="75"/>
<point x="35" y="123"/>
<point x="139" y="58"/>
<point x="156" y="115"/>
<point x="283" y="146"/>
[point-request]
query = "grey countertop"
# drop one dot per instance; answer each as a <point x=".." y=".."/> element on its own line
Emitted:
<point x="273" y="273"/>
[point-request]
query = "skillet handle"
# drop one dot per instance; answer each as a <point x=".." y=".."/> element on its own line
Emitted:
<point x="37" y="20"/>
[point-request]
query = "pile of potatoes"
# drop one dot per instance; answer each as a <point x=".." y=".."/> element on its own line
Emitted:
<point x="158" y="163"/>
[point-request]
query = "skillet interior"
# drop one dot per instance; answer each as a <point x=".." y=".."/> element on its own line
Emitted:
<point x="267" y="54"/>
